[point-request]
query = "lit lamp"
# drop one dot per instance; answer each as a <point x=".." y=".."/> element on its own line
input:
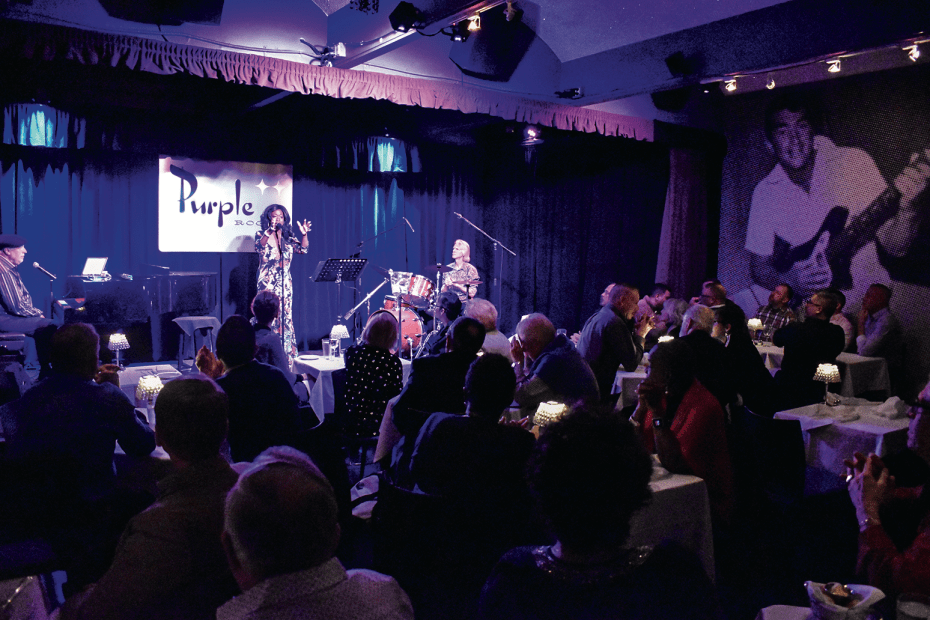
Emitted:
<point x="338" y="333"/>
<point x="549" y="412"/>
<point x="754" y="325"/>
<point x="665" y="339"/>
<point x="828" y="373"/>
<point x="148" y="388"/>
<point x="118" y="343"/>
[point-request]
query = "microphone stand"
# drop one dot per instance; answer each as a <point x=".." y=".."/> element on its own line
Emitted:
<point x="496" y="283"/>
<point x="367" y="297"/>
<point x="51" y="292"/>
<point x="383" y="232"/>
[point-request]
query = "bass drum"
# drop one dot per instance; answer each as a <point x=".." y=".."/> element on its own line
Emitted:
<point x="410" y="326"/>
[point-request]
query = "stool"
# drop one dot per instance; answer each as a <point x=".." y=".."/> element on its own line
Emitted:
<point x="190" y="325"/>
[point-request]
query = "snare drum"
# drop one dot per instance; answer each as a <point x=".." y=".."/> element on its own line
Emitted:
<point x="411" y="326"/>
<point x="420" y="290"/>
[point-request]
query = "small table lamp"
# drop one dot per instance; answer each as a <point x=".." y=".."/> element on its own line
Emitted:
<point x="118" y="343"/>
<point x="148" y="388"/>
<point x="755" y="326"/>
<point x="828" y="373"/>
<point x="338" y="333"/>
<point x="549" y="412"/>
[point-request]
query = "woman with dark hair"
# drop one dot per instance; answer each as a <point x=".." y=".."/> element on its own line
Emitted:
<point x="276" y="245"/>
<point x="744" y="363"/>
<point x="589" y="475"/>
<point x="373" y="375"/>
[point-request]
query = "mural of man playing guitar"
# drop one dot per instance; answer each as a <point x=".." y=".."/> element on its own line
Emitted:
<point x="815" y="220"/>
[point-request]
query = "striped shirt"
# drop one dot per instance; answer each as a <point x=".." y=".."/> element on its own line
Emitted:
<point x="14" y="297"/>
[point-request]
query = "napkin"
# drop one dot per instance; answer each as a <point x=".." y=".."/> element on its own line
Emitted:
<point x="823" y="607"/>
<point x="893" y="408"/>
<point x="839" y="413"/>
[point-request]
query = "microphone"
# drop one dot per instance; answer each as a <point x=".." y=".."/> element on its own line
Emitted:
<point x="44" y="270"/>
<point x="410" y="225"/>
<point x="459" y="215"/>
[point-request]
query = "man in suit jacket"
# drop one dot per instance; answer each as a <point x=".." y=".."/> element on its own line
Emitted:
<point x="436" y="383"/>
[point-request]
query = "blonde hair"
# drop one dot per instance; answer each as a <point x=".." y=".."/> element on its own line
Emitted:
<point x="381" y="331"/>
<point x="467" y="256"/>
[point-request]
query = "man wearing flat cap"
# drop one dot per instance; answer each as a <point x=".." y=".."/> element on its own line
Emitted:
<point x="17" y="314"/>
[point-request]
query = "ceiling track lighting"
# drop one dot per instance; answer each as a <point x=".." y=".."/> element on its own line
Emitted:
<point x="474" y="23"/>
<point x="913" y="52"/>
<point x="730" y="85"/>
<point x="460" y="31"/>
<point x="511" y="13"/>
<point x="834" y="66"/>
<point x="406" y="17"/>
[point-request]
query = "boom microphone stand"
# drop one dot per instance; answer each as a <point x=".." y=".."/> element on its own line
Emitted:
<point x="496" y="283"/>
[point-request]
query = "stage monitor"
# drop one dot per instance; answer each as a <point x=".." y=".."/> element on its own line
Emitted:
<point x="213" y="206"/>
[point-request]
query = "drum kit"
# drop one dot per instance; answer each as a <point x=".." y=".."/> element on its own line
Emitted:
<point x="414" y="298"/>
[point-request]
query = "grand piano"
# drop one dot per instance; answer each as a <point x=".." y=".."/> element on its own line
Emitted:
<point x="142" y="307"/>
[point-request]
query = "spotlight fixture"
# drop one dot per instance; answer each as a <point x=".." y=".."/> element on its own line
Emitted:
<point x="770" y="84"/>
<point x="406" y="17"/>
<point x="569" y="93"/>
<point x="730" y="85"/>
<point x="511" y="13"/>
<point x="913" y="52"/>
<point x="833" y="66"/>
<point x="460" y="31"/>
<point x="531" y="136"/>
<point x="474" y="23"/>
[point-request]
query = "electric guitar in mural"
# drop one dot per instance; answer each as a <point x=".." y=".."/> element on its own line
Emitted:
<point x="839" y="240"/>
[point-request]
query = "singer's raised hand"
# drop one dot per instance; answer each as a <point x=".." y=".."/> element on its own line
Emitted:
<point x="304" y="226"/>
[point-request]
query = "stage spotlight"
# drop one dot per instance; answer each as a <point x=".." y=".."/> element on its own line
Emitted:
<point x="474" y="23"/>
<point x="406" y="17"/>
<point x="913" y="52"/>
<point x="730" y="85"/>
<point x="833" y="66"/>
<point x="531" y="136"/>
<point x="511" y="13"/>
<point x="770" y="84"/>
<point x="460" y="31"/>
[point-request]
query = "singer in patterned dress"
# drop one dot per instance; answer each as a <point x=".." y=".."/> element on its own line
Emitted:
<point x="274" y="269"/>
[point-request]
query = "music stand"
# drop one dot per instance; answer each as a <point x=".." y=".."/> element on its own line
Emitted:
<point x="339" y="269"/>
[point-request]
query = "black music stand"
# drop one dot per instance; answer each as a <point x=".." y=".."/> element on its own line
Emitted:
<point x="339" y="270"/>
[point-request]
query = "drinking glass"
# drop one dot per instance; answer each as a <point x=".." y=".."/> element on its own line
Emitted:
<point x="326" y="349"/>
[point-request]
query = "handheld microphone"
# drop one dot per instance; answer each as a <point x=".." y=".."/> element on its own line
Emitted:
<point x="44" y="270"/>
<point x="410" y="225"/>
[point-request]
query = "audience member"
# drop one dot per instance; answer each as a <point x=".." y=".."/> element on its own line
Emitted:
<point x="747" y="370"/>
<point x="262" y="406"/>
<point x="807" y="343"/>
<point x="777" y="313"/>
<point x="685" y="425"/>
<point x="610" y="339"/>
<point x="280" y="537"/>
<point x="373" y="375"/>
<point x="548" y="367"/>
<point x="449" y="308"/>
<point x="170" y="563"/>
<point x="713" y="295"/>
<point x="840" y="319"/>
<point x="484" y="312"/>
<point x="652" y="306"/>
<point x="905" y="567"/>
<point x="879" y="331"/>
<point x="709" y="354"/>
<point x="673" y="313"/>
<point x="268" y="348"/>
<point x="590" y="475"/>
<point x="71" y="417"/>
<point x="436" y="383"/>
<point x="602" y="301"/>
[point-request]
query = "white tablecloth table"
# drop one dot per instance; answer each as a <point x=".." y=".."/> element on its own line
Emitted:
<point x="679" y="511"/>
<point x="828" y="441"/>
<point x="319" y="373"/>
<point x="784" y="612"/>
<point x="860" y="374"/>
<point x="625" y="384"/>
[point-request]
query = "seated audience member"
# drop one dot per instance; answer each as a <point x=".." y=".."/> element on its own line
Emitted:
<point x="548" y="367"/>
<point x="840" y="319"/>
<point x="713" y="295"/>
<point x="262" y="406"/>
<point x="652" y="306"/>
<point x="170" y="562"/>
<point x="268" y="347"/>
<point x="777" y="313"/>
<point x="684" y="424"/>
<point x="905" y="567"/>
<point x="807" y="343"/>
<point x="744" y="364"/>
<point x="485" y="313"/>
<point x="590" y="475"/>
<point x="280" y="537"/>
<point x="436" y="383"/>
<point x="611" y="339"/>
<point x="879" y="331"/>
<point x="70" y="416"/>
<point x="449" y="308"/>
<point x="602" y="301"/>
<point x="673" y="313"/>
<point x="373" y="375"/>
<point x="709" y="354"/>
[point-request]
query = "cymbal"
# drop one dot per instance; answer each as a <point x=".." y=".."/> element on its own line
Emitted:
<point x="433" y="269"/>
<point x="471" y="283"/>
